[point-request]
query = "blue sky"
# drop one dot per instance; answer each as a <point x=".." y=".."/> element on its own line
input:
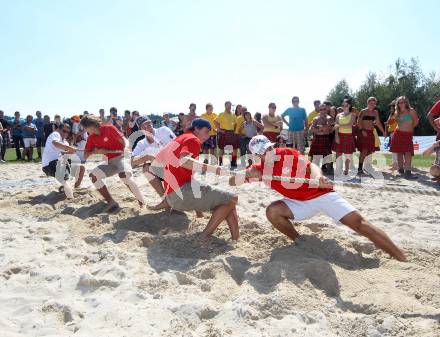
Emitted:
<point x="69" y="56"/>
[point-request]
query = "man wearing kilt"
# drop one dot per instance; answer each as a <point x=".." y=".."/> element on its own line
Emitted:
<point x="225" y="123"/>
<point x="322" y="140"/>
<point x="344" y="140"/>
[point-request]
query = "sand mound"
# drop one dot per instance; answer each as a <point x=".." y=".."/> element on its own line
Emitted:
<point x="67" y="268"/>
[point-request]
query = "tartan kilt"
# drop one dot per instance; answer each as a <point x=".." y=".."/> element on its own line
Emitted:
<point x="321" y="145"/>
<point x="272" y="136"/>
<point x="346" y="144"/>
<point x="402" y="142"/>
<point x="366" y="143"/>
<point x="228" y="138"/>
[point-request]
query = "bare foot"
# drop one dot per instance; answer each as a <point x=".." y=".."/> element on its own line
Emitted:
<point x="199" y="214"/>
<point x="162" y="205"/>
<point x="111" y="207"/>
<point x="77" y="185"/>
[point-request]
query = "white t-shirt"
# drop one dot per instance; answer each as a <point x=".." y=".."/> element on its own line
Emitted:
<point x="162" y="136"/>
<point x="50" y="151"/>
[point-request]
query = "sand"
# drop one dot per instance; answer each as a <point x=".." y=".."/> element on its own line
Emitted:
<point x="68" y="269"/>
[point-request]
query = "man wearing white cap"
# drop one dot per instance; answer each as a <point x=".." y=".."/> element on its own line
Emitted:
<point x="155" y="139"/>
<point x="303" y="200"/>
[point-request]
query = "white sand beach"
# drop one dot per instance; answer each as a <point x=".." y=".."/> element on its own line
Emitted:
<point x="67" y="269"/>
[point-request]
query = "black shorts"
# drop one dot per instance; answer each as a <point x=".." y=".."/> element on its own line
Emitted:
<point x="51" y="169"/>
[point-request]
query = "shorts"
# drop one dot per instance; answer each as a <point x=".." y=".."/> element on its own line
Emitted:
<point x="114" y="166"/>
<point x="330" y="204"/>
<point x="296" y="139"/>
<point x="28" y="142"/>
<point x="206" y="197"/>
<point x="56" y="166"/>
<point x="211" y="143"/>
<point x="156" y="171"/>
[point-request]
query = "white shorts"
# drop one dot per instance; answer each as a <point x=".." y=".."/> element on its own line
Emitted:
<point x="330" y="204"/>
<point x="28" y="142"/>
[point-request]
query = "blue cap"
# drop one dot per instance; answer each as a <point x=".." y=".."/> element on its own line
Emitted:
<point x="200" y="123"/>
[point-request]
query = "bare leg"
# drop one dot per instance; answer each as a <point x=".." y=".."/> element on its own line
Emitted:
<point x="232" y="220"/>
<point x="102" y="189"/>
<point x="78" y="181"/>
<point x="279" y="214"/>
<point x="356" y="222"/>
<point x="218" y="215"/>
<point x="408" y="159"/>
<point x="400" y="161"/>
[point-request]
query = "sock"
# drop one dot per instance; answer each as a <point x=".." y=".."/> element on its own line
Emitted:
<point x="134" y="189"/>
<point x="68" y="189"/>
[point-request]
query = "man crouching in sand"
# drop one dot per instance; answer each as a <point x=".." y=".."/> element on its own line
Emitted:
<point x="183" y="192"/>
<point x="303" y="201"/>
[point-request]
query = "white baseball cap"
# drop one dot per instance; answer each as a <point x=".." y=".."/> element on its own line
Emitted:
<point x="259" y="144"/>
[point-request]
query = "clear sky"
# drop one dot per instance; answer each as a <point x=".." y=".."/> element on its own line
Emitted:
<point x="153" y="56"/>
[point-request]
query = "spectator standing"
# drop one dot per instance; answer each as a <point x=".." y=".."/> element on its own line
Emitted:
<point x="16" y="135"/>
<point x="28" y="132"/>
<point x="297" y="125"/>
<point x="4" y="135"/>
<point x="39" y="123"/>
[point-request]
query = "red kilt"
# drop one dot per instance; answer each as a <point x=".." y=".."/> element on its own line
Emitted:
<point x="321" y="145"/>
<point x="346" y="144"/>
<point x="228" y="138"/>
<point x="272" y="136"/>
<point x="366" y="143"/>
<point x="402" y="142"/>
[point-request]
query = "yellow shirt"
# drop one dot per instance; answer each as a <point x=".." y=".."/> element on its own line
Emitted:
<point x="239" y="121"/>
<point x="272" y="119"/>
<point x="210" y="118"/>
<point x="311" y="116"/>
<point x="226" y="121"/>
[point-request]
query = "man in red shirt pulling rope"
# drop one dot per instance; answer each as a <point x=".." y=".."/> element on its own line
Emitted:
<point x="106" y="140"/>
<point x="303" y="201"/>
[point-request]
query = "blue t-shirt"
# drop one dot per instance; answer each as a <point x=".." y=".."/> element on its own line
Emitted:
<point x="39" y="123"/>
<point x="28" y="134"/>
<point x="16" y="131"/>
<point x="297" y="118"/>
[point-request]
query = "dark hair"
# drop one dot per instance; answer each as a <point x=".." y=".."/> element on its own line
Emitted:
<point x="257" y="116"/>
<point x="295" y="98"/>
<point x="209" y="105"/>
<point x="113" y="110"/>
<point x="90" y="121"/>
<point x="192" y="105"/>
<point x="228" y="102"/>
<point x="199" y="123"/>
<point x="65" y="125"/>
<point x="328" y="103"/>
<point x="348" y="100"/>
<point x="272" y="105"/>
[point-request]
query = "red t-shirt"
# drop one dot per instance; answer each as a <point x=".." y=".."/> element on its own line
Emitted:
<point x="176" y="176"/>
<point x="109" y="139"/>
<point x="435" y="110"/>
<point x="289" y="163"/>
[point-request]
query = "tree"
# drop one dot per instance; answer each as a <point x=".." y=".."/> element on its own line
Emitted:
<point x="337" y="94"/>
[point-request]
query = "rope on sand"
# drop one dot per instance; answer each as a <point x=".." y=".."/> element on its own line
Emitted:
<point x="384" y="187"/>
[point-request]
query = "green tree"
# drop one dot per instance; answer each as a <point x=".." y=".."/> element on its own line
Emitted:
<point x="337" y="94"/>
